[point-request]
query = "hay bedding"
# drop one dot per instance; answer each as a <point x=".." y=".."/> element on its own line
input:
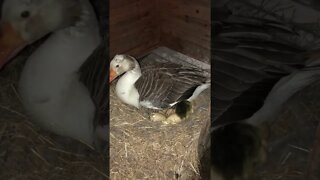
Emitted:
<point x="292" y="139"/>
<point x="27" y="152"/>
<point x="143" y="149"/>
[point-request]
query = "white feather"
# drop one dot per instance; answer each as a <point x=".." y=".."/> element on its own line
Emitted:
<point x="281" y="92"/>
<point x="50" y="86"/>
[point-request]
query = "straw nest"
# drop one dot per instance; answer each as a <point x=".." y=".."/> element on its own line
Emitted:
<point x="143" y="149"/>
<point x="27" y="152"/>
<point x="293" y="147"/>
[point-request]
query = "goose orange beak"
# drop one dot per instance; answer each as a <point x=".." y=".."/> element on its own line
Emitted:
<point x="11" y="42"/>
<point x="112" y="75"/>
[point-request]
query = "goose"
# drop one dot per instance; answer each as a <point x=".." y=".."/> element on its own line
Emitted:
<point x="156" y="85"/>
<point x="258" y="65"/>
<point x="50" y="86"/>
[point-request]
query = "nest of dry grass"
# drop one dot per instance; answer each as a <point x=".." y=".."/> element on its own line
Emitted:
<point x="292" y="138"/>
<point x="27" y="152"/>
<point x="143" y="149"/>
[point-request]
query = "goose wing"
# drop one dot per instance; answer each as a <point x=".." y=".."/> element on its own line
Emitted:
<point x="163" y="83"/>
<point x="249" y="56"/>
<point x="94" y="74"/>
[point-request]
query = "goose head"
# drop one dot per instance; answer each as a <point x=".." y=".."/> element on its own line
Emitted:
<point x="121" y="64"/>
<point x="26" y="21"/>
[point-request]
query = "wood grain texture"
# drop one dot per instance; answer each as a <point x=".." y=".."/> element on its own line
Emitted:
<point x="138" y="26"/>
<point x="186" y="47"/>
<point x="186" y="27"/>
<point x="132" y="27"/>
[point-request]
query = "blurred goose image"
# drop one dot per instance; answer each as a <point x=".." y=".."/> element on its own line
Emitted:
<point x="50" y="85"/>
<point x="258" y="65"/>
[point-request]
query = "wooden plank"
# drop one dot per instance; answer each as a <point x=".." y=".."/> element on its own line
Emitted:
<point x="201" y="3"/>
<point x="134" y="32"/>
<point x="205" y="3"/>
<point x="179" y="32"/>
<point x="180" y="58"/>
<point x="186" y="27"/>
<point x="187" y="8"/>
<point x="138" y="9"/>
<point x="134" y="27"/>
<point x="188" y="24"/>
<point x="119" y="3"/>
<point x="138" y="25"/>
<point x="123" y="45"/>
<point x="143" y="49"/>
<point x="196" y="34"/>
<point x="130" y="18"/>
<point x="139" y="50"/>
<point x="188" y="39"/>
<point x="131" y="41"/>
<point x="186" y="47"/>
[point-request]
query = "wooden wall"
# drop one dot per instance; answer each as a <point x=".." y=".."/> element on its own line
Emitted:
<point x="138" y="26"/>
<point x="186" y="27"/>
<point x="132" y="27"/>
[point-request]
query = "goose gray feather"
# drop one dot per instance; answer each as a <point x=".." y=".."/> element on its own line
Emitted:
<point x="94" y="75"/>
<point x="163" y="84"/>
<point x="156" y="82"/>
<point x="249" y="56"/>
<point x="257" y="66"/>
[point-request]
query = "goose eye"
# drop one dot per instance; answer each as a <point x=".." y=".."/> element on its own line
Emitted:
<point x="117" y="65"/>
<point x="25" y="14"/>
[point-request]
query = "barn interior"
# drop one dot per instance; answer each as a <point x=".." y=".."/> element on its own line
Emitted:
<point x="138" y="27"/>
<point x="180" y="29"/>
<point x="175" y="31"/>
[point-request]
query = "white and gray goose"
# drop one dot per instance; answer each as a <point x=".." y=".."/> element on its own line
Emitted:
<point x="156" y="85"/>
<point x="50" y="85"/>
